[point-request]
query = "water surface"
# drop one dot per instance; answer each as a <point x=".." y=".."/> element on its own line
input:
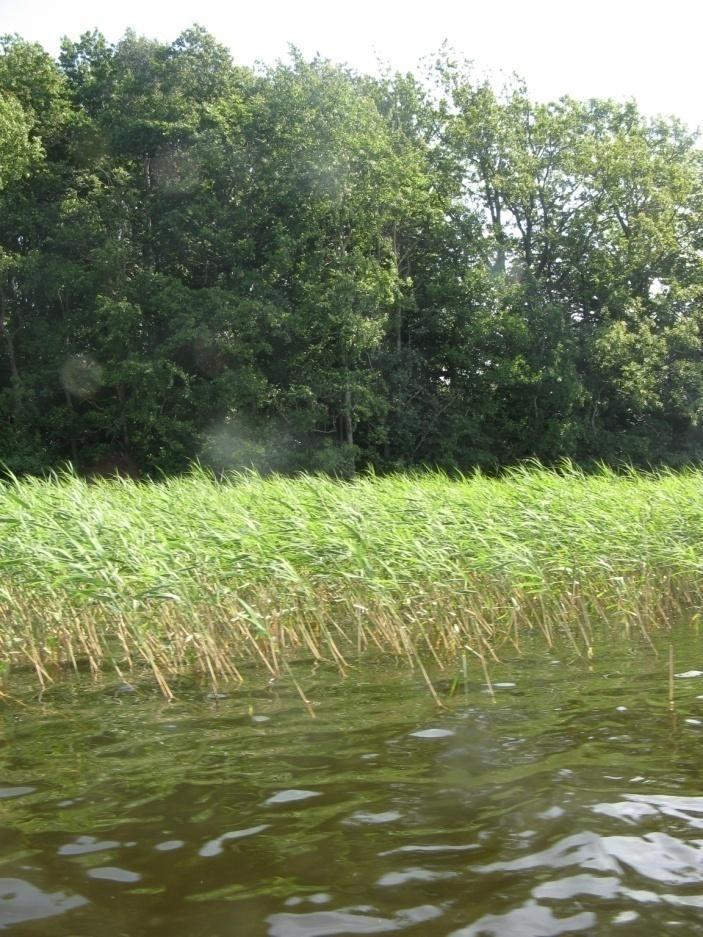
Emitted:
<point x="570" y="804"/>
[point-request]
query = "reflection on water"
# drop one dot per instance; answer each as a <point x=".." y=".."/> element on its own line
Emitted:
<point x="20" y="901"/>
<point x="572" y="803"/>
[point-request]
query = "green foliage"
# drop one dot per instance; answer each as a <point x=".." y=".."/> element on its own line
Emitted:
<point x="197" y="573"/>
<point x="18" y="151"/>
<point x="123" y="539"/>
<point x="302" y="268"/>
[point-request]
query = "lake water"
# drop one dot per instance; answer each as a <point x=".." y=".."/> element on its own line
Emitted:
<point x="570" y="804"/>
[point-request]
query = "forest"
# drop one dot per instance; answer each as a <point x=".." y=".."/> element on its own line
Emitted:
<point x="297" y="267"/>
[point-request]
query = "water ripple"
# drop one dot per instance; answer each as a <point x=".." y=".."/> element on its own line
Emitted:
<point x="571" y="802"/>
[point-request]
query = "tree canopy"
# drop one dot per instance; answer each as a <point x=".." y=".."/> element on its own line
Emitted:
<point x="302" y="267"/>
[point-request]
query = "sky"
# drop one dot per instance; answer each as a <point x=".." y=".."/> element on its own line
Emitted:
<point x="623" y="49"/>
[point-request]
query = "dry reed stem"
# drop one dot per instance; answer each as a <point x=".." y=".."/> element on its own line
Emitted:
<point x="215" y="639"/>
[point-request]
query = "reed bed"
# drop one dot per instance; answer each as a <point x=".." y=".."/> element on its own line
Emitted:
<point x="198" y="575"/>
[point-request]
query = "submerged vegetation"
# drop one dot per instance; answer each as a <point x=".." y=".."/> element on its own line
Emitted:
<point x="194" y="575"/>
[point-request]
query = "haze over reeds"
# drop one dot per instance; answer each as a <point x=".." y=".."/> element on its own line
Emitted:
<point x="197" y="575"/>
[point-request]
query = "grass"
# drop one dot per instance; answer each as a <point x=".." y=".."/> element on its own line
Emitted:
<point x="196" y="575"/>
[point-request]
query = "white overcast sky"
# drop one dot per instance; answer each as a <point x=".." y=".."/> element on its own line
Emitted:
<point x="587" y="48"/>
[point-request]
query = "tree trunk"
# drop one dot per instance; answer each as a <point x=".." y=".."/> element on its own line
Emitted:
<point x="349" y="429"/>
<point x="398" y="305"/>
<point x="348" y="423"/>
<point x="8" y="340"/>
<point x="123" y="419"/>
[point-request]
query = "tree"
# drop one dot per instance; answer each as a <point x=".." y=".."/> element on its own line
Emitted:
<point x="301" y="267"/>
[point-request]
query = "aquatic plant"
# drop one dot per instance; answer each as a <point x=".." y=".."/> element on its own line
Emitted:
<point x="194" y="574"/>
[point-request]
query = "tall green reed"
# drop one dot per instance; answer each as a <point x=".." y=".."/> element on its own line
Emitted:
<point x="196" y="574"/>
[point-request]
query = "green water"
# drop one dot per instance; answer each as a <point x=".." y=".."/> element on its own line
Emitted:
<point x="573" y="803"/>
